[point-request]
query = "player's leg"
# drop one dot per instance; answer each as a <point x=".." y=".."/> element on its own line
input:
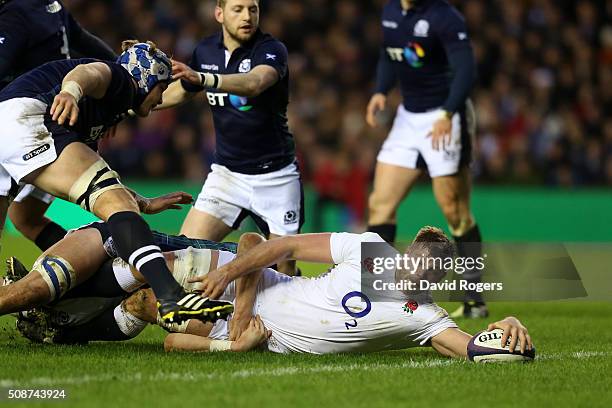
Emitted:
<point x="218" y="208"/>
<point x="64" y="266"/>
<point x="277" y="206"/>
<point x="391" y="185"/>
<point x="396" y="172"/>
<point x="4" y="204"/>
<point x="201" y="225"/>
<point x="451" y="182"/>
<point x="81" y="175"/>
<point x="124" y="320"/>
<point x="27" y="212"/>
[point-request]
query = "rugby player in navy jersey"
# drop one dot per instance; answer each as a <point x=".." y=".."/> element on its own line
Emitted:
<point x="244" y="74"/>
<point x="53" y="117"/>
<point x="33" y="32"/>
<point x="426" y="48"/>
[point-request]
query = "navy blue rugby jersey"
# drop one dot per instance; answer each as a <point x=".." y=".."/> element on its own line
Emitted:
<point x="428" y="50"/>
<point x="95" y="115"/>
<point x="251" y="133"/>
<point x="33" y="32"/>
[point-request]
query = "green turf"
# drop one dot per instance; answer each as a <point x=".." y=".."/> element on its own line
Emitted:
<point x="573" y="342"/>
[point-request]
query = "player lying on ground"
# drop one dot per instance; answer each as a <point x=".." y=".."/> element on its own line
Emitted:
<point x="322" y="315"/>
<point x="100" y="308"/>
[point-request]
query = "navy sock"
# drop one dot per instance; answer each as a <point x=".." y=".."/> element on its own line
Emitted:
<point x="386" y="231"/>
<point x="135" y="245"/>
<point x="49" y="236"/>
<point x="469" y="245"/>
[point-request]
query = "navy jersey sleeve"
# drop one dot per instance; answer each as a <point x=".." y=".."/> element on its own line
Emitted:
<point x="122" y="89"/>
<point x="274" y="54"/>
<point x="14" y="36"/>
<point x="385" y="74"/>
<point x="453" y="35"/>
<point x="86" y="43"/>
<point x="193" y="64"/>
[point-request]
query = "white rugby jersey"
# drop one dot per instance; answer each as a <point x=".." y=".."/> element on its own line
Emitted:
<point x="311" y="315"/>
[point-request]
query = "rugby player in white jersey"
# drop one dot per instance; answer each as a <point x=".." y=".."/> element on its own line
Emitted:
<point x="329" y="314"/>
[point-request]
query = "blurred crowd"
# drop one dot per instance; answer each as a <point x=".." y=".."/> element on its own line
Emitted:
<point x="543" y="97"/>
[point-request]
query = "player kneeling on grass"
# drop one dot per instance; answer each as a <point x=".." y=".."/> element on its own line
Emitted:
<point x="321" y="315"/>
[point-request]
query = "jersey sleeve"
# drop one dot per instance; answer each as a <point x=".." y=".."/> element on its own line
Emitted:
<point x="346" y="247"/>
<point x="452" y="32"/>
<point x="274" y="54"/>
<point x="121" y="88"/>
<point x="86" y="43"/>
<point x="454" y="37"/>
<point x="14" y="36"/>
<point x="434" y="320"/>
<point x="193" y="64"/>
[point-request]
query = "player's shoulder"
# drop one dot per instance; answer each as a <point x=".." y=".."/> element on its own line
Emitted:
<point x="266" y="40"/>
<point x="211" y="42"/>
<point x="443" y="11"/>
<point x="16" y="8"/>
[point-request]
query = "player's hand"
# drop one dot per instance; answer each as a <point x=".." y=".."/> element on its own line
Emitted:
<point x="238" y="324"/>
<point x="169" y="201"/>
<point x="255" y="334"/>
<point x="514" y="329"/>
<point x="64" y="108"/>
<point x="441" y="133"/>
<point x="183" y="71"/>
<point x="377" y="103"/>
<point x="213" y="284"/>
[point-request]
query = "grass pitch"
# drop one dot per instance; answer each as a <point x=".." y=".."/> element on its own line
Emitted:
<point x="572" y="369"/>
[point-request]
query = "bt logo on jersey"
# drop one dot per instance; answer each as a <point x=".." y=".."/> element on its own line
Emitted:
<point x="413" y="54"/>
<point x="239" y="102"/>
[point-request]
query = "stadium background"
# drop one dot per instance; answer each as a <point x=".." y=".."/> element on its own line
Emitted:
<point x="543" y="173"/>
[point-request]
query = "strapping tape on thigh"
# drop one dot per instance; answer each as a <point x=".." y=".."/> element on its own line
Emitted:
<point x="94" y="182"/>
<point x="57" y="273"/>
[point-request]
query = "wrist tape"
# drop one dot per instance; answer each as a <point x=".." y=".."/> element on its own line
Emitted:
<point x="212" y="81"/>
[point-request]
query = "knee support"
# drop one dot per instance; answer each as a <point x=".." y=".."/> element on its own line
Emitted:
<point x="94" y="182"/>
<point x="57" y="273"/>
<point x="129" y="324"/>
<point x="190" y="263"/>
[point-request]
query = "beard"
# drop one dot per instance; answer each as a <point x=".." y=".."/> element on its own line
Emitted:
<point x="241" y="38"/>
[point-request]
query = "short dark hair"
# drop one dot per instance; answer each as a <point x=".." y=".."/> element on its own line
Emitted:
<point x="429" y="242"/>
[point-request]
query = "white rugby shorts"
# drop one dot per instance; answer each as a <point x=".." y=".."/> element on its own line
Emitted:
<point x="409" y="144"/>
<point x="274" y="200"/>
<point x="27" y="144"/>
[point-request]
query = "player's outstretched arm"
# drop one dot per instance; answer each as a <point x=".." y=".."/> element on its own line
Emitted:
<point x="249" y="84"/>
<point x="253" y="336"/>
<point x="85" y="80"/>
<point x="305" y="247"/>
<point x="453" y="342"/>
<point x="174" y="95"/>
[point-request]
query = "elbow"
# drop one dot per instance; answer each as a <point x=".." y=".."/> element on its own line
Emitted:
<point x="254" y="87"/>
<point x="169" y="343"/>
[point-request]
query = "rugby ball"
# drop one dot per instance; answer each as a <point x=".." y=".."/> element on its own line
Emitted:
<point x="485" y="347"/>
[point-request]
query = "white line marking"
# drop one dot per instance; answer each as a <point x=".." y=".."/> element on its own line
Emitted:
<point x="196" y="376"/>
